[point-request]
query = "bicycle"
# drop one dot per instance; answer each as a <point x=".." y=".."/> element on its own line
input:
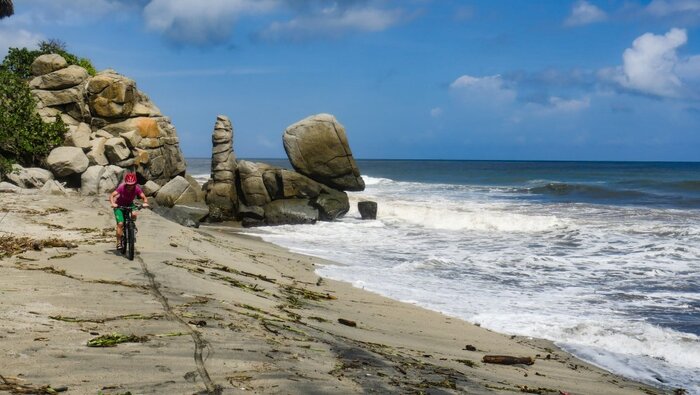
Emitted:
<point x="128" y="245"/>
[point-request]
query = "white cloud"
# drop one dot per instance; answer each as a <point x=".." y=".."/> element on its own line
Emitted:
<point x="17" y="38"/>
<point x="201" y="22"/>
<point x="491" y="88"/>
<point x="650" y="66"/>
<point x="436" y="112"/>
<point x="663" y="8"/>
<point x="333" y="21"/>
<point x="558" y="105"/>
<point x="584" y="13"/>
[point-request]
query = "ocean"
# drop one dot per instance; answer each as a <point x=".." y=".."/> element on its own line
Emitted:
<point x="603" y="258"/>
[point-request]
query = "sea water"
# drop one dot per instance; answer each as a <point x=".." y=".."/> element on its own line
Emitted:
<point x="601" y="258"/>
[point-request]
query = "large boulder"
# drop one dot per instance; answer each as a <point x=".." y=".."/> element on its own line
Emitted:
<point x="331" y="204"/>
<point x="79" y="136"/>
<point x="48" y="63"/>
<point x="110" y="179"/>
<point x="317" y="147"/>
<point x="116" y="150"/>
<point x="53" y="187"/>
<point x="220" y="197"/>
<point x="90" y="180"/>
<point x="253" y="188"/>
<point x="6" y="187"/>
<point x="150" y="188"/>
<point x="111" y="95"/>
<point x="65" y="161"/>
<point x="367" y="209"/>
<point x="60" y="79"/>
<point x="32" y="177"/>
<point x="179" y="190"/>
<point x="290" y="212"/>
<point x="96" y="155"/>
<point x="285" y="184"/>
<point x="59" y="97"/>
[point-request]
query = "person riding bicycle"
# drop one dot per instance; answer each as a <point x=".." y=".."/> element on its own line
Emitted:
<point x="124" y="196"/>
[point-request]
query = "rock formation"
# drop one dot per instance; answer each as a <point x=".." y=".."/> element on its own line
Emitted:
<point x="318" y="148"/>
<point x="221" y="196"/>
<point x="108" y="119"/>
<point x="267" y="195"/>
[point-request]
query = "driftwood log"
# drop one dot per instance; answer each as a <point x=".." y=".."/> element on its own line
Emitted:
<point x="507" y="360"/>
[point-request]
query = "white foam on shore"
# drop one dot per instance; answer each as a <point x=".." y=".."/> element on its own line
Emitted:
<point x="580" y="275"/>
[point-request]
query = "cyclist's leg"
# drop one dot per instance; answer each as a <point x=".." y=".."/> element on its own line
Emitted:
<point x="119" y="216"/>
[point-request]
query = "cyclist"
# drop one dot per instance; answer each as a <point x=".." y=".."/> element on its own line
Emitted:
<point x="124" y="196"/>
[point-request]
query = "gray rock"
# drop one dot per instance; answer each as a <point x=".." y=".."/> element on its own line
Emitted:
<point x="331" y="204"/>
<point x="367" y="209"/>
<point x="178" y="191"/>
<point x="60" y="97"/>
<point x="53" y="187"/>
<point x="79" y="136"/>
<point x="116" y="150"/>
<point x="150" y="188"/>
<point x="90" y="180"/>
<point x="96" y="155"/>
<point x="6" y="187"/>
<point x="132" y="138"/>
<point x="48" y="63"/>
<point x="110" y="179"/>
<point x="60" y="79"/>
<point x="33" y="177"/>
<point x="290" y="212"/>
<point x="65" y="161"/>
<point x="253" y="188"/>
<point x="317" y="147"/>
<point x="111" y="95"/>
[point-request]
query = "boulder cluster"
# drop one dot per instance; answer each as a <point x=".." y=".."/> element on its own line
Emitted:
<point x="112" y="127"/>
<point x="261" y="194"/>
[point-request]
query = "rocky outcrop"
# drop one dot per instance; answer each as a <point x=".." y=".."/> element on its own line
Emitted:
<point x="318" y="148"/>
<point x="221" y="196"/>
<point x="112" y="127"/>
<point x="260" y="194"/>
<point x="108" y="118"/>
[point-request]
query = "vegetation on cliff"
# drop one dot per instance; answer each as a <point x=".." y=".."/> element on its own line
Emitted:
<point x="24" y="137"/>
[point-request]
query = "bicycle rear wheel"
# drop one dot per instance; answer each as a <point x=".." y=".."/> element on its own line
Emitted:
<point x="130" y="241"/>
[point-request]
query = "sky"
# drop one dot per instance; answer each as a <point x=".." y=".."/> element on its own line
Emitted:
<point x="410" y="79"/>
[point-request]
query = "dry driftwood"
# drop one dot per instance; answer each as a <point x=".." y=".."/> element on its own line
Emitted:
<point x="507" y="360"/>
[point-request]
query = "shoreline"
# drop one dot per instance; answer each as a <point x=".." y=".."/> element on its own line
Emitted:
<point x="257" y="315"/>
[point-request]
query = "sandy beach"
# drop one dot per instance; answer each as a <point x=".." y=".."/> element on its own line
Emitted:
<point x="211" y="311"/>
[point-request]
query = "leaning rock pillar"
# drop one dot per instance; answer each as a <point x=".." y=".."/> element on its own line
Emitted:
<point x="222" y="198"/>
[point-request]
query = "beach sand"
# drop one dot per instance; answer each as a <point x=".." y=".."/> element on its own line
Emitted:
<point x="215" y="311"/>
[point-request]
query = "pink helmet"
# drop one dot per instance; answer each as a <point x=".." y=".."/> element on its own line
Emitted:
<point x="130" y="179"/>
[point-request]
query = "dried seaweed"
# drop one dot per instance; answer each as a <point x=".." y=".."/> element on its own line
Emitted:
<point x="112" y="339"/>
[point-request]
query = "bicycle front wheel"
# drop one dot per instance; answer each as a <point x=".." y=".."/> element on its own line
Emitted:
<point x="130" y="241"/>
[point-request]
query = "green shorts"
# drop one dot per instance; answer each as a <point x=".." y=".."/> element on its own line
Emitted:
<point x="119" y="215"/>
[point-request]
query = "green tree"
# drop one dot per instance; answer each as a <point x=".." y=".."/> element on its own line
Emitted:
<point x="24" y="137"/>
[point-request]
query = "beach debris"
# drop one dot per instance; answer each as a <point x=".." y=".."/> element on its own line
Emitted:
<point x="507" y="360"/>
<point x="12" y="245"/>
<point x="111" y="340"/>
<point x="173" y="244"/>
<point x="14" y="386"/>
<point x="307" y="294"/>
<point x="469" y="347"/>
<point x="347" y="322"/>
<point x="467" y="362"/>
<point x="198" y="323"/>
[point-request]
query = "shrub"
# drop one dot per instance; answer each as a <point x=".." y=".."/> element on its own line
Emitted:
<point x="24" y="137"/>
<point x="19" y="60"/>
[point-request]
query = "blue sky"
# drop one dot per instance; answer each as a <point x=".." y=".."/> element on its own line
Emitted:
<point x="415" y="79"/>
